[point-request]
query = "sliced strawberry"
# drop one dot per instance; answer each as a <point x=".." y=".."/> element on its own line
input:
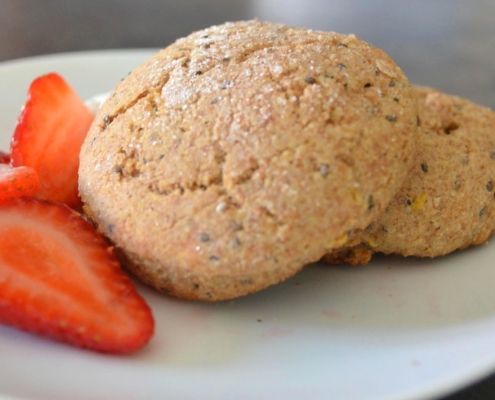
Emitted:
<point x="59" y="278"/>
<point x="4" y="157"/>
<point x="17" y="182"/>
<point x="48" y="137"/>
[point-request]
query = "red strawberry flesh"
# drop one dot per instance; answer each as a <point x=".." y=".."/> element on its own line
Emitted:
<point x="17" y="182"/>
<point x="4" y="157"/>
<point x="59" y="278"/>
<point x="48" y="137"/>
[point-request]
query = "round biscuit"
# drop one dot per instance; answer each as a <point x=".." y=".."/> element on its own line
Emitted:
<point x="448" y="200"/>
<point x="242" y="152"/>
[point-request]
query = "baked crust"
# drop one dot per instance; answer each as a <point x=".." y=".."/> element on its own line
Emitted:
<point x="242" y="152"/>
<point x="448" y="200"/>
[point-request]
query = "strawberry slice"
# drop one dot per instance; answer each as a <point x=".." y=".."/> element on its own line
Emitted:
<point x="4" y="157"/>
<point x="59" y="278"/>
<point x="50" y="130"/>
<point x="17" y="182"/>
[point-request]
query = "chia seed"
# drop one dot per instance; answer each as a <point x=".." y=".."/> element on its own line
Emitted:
<point x="221" y="207"/>
<point x="235" y="243"/>
<point x="204" y="237"/>
<point x="324" y="170"/>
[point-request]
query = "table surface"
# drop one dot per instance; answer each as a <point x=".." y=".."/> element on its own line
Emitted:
<point x="448" y="44"/>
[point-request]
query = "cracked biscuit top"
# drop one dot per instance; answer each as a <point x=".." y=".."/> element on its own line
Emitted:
<point x="242" y="152"/>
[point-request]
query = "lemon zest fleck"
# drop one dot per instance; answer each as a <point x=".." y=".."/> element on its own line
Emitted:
<point x="339" y="242"/>
<point x="419" y="202"/>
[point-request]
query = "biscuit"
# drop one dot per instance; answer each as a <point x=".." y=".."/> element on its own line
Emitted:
<point x="447" y="202"/>
<point x="242" y="152"/>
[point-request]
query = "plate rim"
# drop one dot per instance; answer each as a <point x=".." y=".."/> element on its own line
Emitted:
<point x="75" y="56"/>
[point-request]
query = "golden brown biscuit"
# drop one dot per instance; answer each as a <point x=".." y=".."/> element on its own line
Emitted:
<point x="447" y="202"/>
<point x="244" y="151"/>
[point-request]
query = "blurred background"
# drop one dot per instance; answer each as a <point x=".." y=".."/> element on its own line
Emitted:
<point x="448" y="44"/>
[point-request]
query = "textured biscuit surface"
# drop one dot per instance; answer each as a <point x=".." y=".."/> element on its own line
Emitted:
<point x="244" y="151"/>
<point x="447" y="202"/>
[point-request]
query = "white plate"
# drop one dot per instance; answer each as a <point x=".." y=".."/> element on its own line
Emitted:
<point x="396" y="329"/>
